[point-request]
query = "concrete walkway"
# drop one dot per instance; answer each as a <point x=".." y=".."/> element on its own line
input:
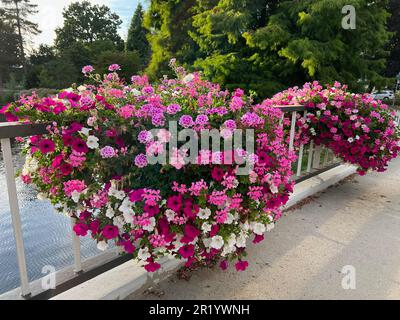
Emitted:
<point x="356" y="223"/>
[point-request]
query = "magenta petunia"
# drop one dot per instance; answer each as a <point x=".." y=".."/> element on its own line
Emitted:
<point x="79" y="145"/>
<point x="110" y="232"/>
<point x="46" y="146"/>
<point x="241" y="265"/>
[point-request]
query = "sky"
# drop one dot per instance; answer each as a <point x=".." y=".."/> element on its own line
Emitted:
<point x="49" y="16"/>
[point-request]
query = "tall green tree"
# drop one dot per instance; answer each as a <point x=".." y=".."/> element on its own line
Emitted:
<point x="19" y="13"/>
<point x="9" y="48"/>
<point x="86" y="23"/>
<point x="169" y="23"/>
<point x="393" y="65"/>
<point x="137" y="36"/>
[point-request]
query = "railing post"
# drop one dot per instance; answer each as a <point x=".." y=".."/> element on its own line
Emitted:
<point x="310" y="156"/>
<point x="300" y="158"/>
<point x="76" y="246"/>
<point x="292" y="131"/>
<point x="317" y="157"/>
<point x="15" y="215"/>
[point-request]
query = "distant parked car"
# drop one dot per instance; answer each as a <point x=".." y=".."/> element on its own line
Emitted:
<point x="383" y="95"/>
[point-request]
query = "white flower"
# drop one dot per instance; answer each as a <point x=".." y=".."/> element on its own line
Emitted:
<point x="151" y="226"/>
<point x="258" y="228"/>
<point x="120" y="194"/>
<point x="170" y="214"/>
<point x="217" y="242"/>
<point x="232" y="241"/>
<point x="92" y="142"/>
<point x="270" y="226"/>
<point x="144" y="254"/>
<point x="135" y="92"/>
<point x="128" y="217"/>
<point x="312" y="130"/>
<point x="126" y="205"/>
<point x="119" y="222"/>
<point x="188" y="78"/>
<point x="85" y="131"/>
<point x="81" y="88"/>
<point x="241" y="241"/>
<point x="273" y="188"/>
<point x="75" y="195"/>
<point x="357" y="137"/>
<point x="206" y="227"/>
<point x="351" y="140"/>
<point x="110" y="213"/>
<point x="102" y="245"/>
<point x="204" y="213"/>
<point x="229" y="219"/>
<point x="207" y="242"/>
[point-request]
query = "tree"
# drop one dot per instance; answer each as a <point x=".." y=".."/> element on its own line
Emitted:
<point x="87" y="23"/>
<point x="268" y="45"/>
<point x="19" y="11"/>
<point x="137" y="36"/>
<point x="129" y="62"/>
<point x="9" y="48"/>
<point x="393" y="65"/>
<point x="169" y="23"/>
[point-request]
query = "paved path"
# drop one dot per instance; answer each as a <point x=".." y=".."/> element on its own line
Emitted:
<point x="356" y="223"/>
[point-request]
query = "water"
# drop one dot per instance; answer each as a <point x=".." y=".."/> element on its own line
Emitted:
<point x="47" y="234"/>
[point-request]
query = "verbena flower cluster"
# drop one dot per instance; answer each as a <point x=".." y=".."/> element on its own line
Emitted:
<point x="357" y="128"/>
<point x="93" y="165"/>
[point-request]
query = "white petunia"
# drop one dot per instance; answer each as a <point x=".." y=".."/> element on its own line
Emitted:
<point x="136" y="92"/>
<point x="273" y="188"/>
<point x="204" y="213"/>
<point x="143" y="254"/>
<point x="351" y="140"/>
<point x="188" y="78"/>
<point x="119" y="222"/>
<point x="85" y="131"/>
<point x="81" y="88"/>
<point x="75" y="195"/>
<point x="241" y="241"/>
<point x="102" y="245"/>
<point x="206" y="227"/>
<point x="217" y="242"/>
<point x="128" y="217"/>
<point x="258" y="228"/>
<point x="110" y="213"/>
<point x="92" y="142"/>
<point x="229" y="219"/>
<point x="170" y="214"/>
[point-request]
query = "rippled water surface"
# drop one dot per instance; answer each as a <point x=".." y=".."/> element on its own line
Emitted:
<point x="47" y="235"/>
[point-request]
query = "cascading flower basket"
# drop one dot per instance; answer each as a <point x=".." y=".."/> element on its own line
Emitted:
<point x="357" y="128"/>
<point x="121" y="159"/>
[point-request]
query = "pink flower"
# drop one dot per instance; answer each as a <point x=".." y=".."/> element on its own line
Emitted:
<point x="87" y="69"/>
<point x="81" y="229"/>
<point x="241" y="265"/>
<point x="46" y="146"/>
<point x="114" y="67"/>
<point x="190" y="233"/>
<point x="79" y="146"/>
<point x="223" y="265"/>
<point x="141" y="160"/>
<point x="128" y="246"/>
<point x="173" y="108"/>
<point x="186" y="251"/>
<point x="126" y="112"/>
<point x="152" y="266"/>
<point x="107" y="152"/>
<point x="174" y="203"/>
<point x="217" y="174"/>
<point x="74" y="185"/>
<point x="136" y="195"/>
<point x="110" y="232"/>
<point x="186" y="121"/>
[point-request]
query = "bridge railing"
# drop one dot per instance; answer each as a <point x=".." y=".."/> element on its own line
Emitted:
<point x="312" y="160"/>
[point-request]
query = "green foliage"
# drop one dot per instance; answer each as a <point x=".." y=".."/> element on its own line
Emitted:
<point x="8" y="49"/>
<point x="87" y="23"/>
<point x="169" y="24"/>
<point x="137" y="36"/>
<point x="268" y="45"/>
<point x="393" y="65"/>
<point x="130" y="62"/>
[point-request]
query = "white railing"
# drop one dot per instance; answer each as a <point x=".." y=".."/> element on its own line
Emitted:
<point x="311" y="160"/>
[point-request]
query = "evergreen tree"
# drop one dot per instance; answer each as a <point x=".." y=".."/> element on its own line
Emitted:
<point x="18" y="12"/>
<point x="9" y="48"/>
<point x="393" y="65"/>
<point x="267" y="45"/>
<point x="137" y="36"/>
<point x="169" y="23"/>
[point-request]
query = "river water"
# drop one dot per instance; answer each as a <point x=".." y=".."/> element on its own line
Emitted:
<point x="47" y="235"/>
